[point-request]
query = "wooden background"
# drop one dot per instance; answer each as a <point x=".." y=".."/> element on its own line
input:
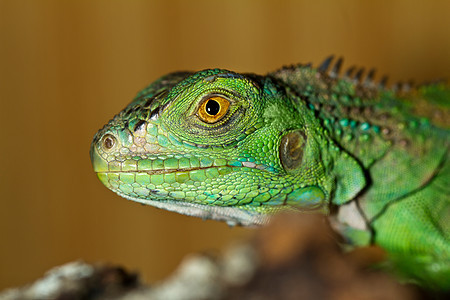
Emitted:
<point x="66" y="67"/>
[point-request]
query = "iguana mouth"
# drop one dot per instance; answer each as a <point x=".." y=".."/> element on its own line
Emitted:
<point x="170" y="165"/>
<point x="165" y="171"/>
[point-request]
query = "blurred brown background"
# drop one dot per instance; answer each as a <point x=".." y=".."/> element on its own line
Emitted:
<point x="66" y="67"/>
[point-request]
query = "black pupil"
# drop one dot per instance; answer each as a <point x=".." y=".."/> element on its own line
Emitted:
<point x="212" y="107"/>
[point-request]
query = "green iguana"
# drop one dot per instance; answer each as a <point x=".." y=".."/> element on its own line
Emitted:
<point x="239" y="147"/>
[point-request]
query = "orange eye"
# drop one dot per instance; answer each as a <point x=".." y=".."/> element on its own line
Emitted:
<point x="213" y="109"/>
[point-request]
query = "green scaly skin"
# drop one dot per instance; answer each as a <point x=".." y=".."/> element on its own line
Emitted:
<point x="375" y="160"/>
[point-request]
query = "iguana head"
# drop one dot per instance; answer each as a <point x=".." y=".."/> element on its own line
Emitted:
<point x="215" y="144"/>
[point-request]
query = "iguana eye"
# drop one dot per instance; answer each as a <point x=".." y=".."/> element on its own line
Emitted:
<point x="213" y="109"/>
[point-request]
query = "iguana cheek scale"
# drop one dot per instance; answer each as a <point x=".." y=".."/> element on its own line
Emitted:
<point x="239" y="147"/>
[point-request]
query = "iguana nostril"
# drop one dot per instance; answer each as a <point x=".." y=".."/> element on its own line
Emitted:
<point x="108" y="141"/>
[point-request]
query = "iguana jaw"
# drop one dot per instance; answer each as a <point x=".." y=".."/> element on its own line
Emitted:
<point x="231" y="215"/>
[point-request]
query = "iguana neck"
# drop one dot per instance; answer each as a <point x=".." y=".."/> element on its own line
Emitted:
<point x="346" y="109"/>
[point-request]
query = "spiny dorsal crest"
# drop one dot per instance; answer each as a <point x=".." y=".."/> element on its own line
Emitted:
<point x="358" y="77"/>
